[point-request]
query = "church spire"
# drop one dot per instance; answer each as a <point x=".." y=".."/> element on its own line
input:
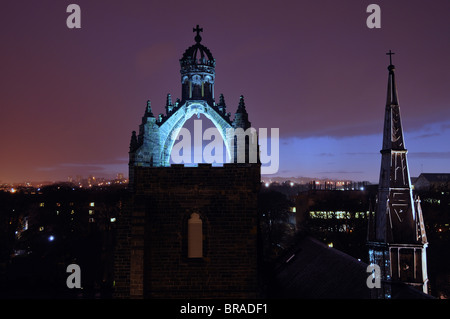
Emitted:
<point x="394" y="177"/>
<point x="393" y="132"/>
<point x="397" y="239"/>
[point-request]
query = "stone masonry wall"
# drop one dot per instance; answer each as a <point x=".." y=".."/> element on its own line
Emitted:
<point x="226" y="200"/>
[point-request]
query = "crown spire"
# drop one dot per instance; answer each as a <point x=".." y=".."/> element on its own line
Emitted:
<point x="197" y="72"/>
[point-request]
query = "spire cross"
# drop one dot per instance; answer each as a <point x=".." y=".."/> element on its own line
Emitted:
<point x="390" y="53"/>
<point x="197" y="29"/>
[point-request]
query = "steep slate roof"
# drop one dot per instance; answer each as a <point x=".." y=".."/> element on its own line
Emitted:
<point x="436" y="177"/>
<point x="312" y="270"/>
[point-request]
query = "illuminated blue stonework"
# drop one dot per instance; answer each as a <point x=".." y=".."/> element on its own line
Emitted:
<point x="152" y="146"/>
<point x="154" y="253"/>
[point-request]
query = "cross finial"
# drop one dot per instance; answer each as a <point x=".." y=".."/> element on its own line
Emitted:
<point x="197" y="29"/>
<point x="390" y="53"/>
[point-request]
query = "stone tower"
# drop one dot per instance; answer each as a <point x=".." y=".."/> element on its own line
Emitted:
<point x="190" y="232"/>
<point x="397" y="241"/>
<point x="152" y="146"/>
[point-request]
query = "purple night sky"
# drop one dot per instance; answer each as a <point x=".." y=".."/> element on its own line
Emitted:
<point x="69" y="98"/>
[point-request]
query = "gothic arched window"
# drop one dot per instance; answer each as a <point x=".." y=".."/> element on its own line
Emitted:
<point x="195" y="236"/>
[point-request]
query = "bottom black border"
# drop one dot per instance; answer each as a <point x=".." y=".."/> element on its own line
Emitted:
<point x="274" y="308"/>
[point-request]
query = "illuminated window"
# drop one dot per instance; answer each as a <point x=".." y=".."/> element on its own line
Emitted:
<point x="91" y="212"/>
<point x="92" y="204"/>
<point x="195" y="236"/>
<point x="41" y="204"/>
<point x="91" y="220"/>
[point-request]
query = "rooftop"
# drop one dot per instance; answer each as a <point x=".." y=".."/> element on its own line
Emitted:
<point x="312" y="270"/>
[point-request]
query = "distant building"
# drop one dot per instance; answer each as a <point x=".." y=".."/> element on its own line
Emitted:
<point x="432" y="181"/>
<point x="338" y="218"/>
<point x="337" y="185"/>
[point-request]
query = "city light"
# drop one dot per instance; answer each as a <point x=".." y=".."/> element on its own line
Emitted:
<point x="51" y="238"/>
